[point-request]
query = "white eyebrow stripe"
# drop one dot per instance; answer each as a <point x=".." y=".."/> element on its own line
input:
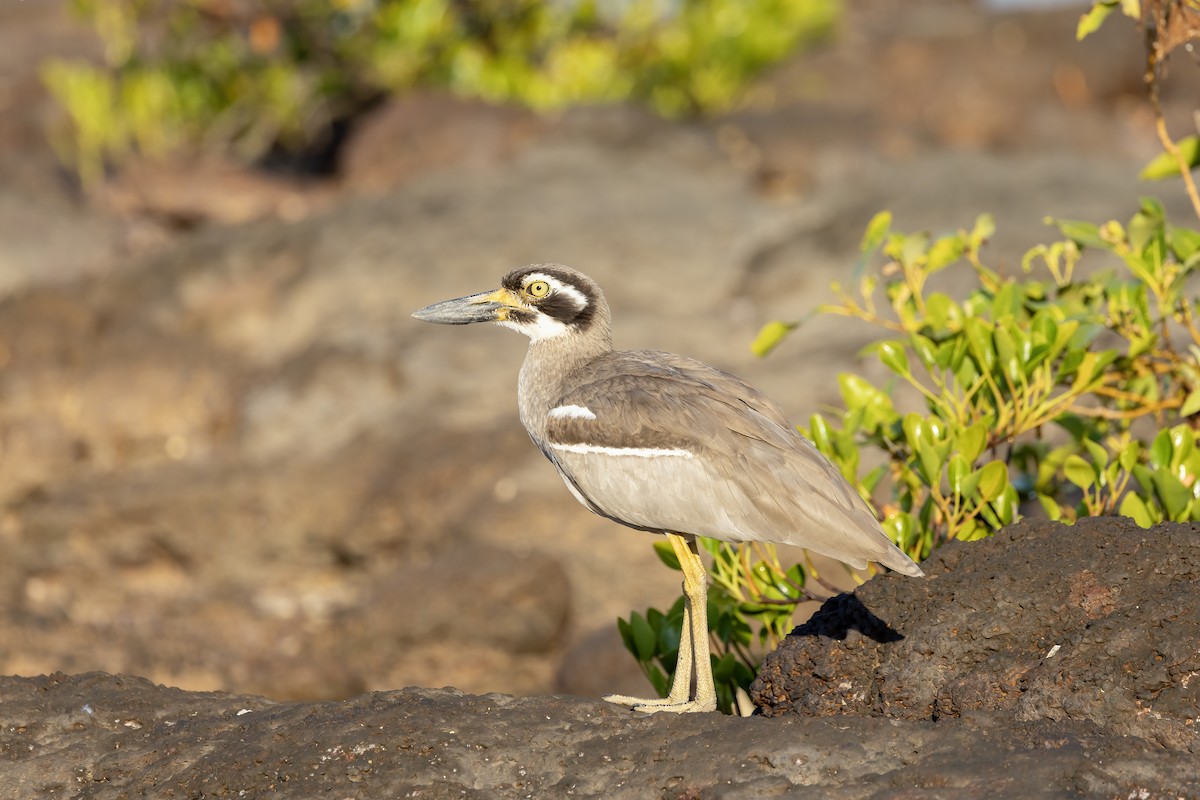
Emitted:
<point x="572" y="412"/>
<point x="581" y="301"/>
<point x="639" y="452"/>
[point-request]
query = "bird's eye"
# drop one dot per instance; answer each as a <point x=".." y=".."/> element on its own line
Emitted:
<point x="538" y="289"/>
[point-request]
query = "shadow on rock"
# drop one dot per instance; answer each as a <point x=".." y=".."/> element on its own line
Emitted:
<point x="845" y="613"/>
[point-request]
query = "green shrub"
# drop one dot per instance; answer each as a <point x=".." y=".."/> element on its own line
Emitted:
<point x="1078" y="390"/>
<point x="197" y="74"/>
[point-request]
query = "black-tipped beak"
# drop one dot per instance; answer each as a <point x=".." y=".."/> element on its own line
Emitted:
<point x="482" y="307"/>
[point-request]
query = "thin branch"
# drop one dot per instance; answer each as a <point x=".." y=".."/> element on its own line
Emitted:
<point x="1160" y="126"/>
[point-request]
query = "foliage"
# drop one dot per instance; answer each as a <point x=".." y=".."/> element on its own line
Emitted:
<point x="1078" y="390"/>
<point x="210" y="74"/>
<point x="750" y="606"/>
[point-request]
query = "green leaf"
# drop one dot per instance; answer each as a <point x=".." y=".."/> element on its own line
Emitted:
<point x="1146" y="231"/>
<point x="1050" y="506"/>
<point x="1184" y="242"/>
<point x="796" y="575"/>
<point x="819" y="433"/>
<point x="877" y="231"/>
<point x="1161" y="449"/>
<point x="1091" y="21"/>
<point x="941" y="311"/>
<point x="970" y="441"/>
<point x="1087" y="372"/>
<point x="993" y="478"/>
<point x="860" y="395"/>
<point x="1079" y="472"/>
<point x="644" y="637"/>
<point x="669" y="633"/>
<point x="723" y="668"/>
<point x="1006" y="505"/>
<point x="1152" y="207"/>
<point x="985" y="226"/>
<point x="1007" y="301"/>
<point x="892" y="356"/>
<point x="1173" y="495"/>
<point x="1183" y="442"/>
<point x="1164" y="164"/>
<point x="925" y="350"/>
<point x="658" y="680"/>
<point x="971" y="531"/>
<point x="957" y="471"/>
<point x="770" y="336"/>
<point x="626" y="632"/>
<point x="1006" y="353"/>
<point x="931" y="464"/>
<point x="979" y="335"/>
<point x="1097" y="452"/>
<point x="1084" y="234"/>
<point x="1135" y="507"/>
<point x="1191" y="405"/>
<point x="944" y="252"/>
<point x="666" y="554"/>
<point x="1129" y="456"/>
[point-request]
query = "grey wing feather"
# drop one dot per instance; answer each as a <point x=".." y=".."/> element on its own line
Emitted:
<point x="750" y="476"/>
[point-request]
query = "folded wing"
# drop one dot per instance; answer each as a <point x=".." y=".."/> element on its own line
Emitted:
<point x="666" y="443"/>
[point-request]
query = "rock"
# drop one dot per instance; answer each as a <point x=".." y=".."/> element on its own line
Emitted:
<point x="473" y="594"/>
<point x="598" y="665"/>
<point x="423" y="131"/>
<point x="100" y="737"/>
<point x="1096" y="622"/>
<point x="186" y="194"/>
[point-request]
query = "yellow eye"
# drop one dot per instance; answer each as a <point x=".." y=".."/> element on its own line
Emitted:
<point x="538" y="289"/>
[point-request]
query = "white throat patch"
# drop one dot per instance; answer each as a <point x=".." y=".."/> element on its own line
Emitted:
<point x="544" y="326"/>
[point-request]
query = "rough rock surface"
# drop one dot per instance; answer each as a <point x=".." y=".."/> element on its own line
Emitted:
<point x="98" y="736"/>
<point x="1099" y="621"/>
<point x="948" y="687"/>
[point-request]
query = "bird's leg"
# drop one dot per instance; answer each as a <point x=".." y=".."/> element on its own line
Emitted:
<point x="693" y="667"/>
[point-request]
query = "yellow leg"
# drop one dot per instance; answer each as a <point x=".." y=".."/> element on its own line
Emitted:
<point x="693" y="688"/>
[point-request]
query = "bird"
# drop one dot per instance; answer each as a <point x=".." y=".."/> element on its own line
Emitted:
<point x="670" y="445"/>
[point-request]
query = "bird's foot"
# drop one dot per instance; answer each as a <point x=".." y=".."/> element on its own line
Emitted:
<point x="667" y="704"/>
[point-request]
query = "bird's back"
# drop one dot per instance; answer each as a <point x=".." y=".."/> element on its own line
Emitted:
<point x="662" y="442"/>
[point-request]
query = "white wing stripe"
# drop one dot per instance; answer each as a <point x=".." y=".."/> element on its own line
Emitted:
<point x="640" y="452"/>
<point x="572" y="412"/>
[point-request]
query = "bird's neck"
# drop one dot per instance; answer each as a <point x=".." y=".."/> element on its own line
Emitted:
<point x="544" y="374"/>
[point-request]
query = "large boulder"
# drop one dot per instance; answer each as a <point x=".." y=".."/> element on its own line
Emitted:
<point x="1096" y="622"/>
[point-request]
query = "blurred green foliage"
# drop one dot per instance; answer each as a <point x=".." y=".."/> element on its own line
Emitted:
<point x="1053" y="388"/>
<point x="247" y="76"/>
<point x="1076" y="390"/>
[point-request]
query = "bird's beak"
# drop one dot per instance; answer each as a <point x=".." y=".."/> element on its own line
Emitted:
<point x="490" y="306"/>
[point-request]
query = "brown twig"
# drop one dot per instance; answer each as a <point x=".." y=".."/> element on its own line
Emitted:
<point x="1160" y="122"/>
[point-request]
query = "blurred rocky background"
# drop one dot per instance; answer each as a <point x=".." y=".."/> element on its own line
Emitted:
<point x="229" y="460"/>
<point x="231" y="463"/>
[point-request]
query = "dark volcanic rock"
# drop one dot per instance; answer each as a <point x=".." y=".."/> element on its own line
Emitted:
<point x="1097" y="622"/>
<point x="99" y="736"/>
<point x="949" y="687"/>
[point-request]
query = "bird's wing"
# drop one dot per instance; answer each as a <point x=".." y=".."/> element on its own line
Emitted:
<point x="666" y="443"/>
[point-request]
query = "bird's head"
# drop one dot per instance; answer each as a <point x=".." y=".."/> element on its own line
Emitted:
<point x="542" y="301"/>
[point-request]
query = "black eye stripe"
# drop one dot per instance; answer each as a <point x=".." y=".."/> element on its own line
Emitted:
<point x="560" y="305"/>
